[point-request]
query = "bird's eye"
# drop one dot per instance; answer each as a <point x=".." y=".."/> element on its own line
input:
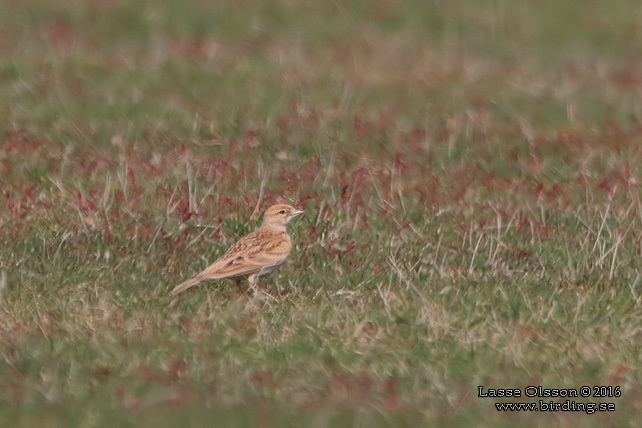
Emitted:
<point x="282" y="212"/>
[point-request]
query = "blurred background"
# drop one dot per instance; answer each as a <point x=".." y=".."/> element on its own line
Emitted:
<point x="470" y="175"/>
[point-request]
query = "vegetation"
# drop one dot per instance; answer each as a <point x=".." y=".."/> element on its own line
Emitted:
<point x="470" y="173"/>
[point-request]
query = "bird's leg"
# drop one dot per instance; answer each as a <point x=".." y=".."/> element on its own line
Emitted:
<point x="237" y="282"/>
<point x="258" y="294"/>
<point x="253" y="279"/>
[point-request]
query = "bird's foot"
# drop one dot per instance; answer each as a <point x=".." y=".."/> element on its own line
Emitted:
<point x="261" y="296"/>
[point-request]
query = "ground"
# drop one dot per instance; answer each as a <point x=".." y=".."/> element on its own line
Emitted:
<point x="470" y="174"/>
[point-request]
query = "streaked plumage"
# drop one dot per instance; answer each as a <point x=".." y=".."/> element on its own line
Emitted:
<point x="257" y="254"/>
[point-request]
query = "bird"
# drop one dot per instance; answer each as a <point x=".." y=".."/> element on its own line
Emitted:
<point x="259" y="253"/>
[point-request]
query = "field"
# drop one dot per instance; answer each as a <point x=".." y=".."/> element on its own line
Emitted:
<point x="471" y="178"/>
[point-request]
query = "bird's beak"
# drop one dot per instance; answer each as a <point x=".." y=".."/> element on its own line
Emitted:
<point x="296" y="213"/>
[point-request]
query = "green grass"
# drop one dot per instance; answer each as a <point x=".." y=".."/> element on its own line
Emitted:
<point x="470" y="173"/>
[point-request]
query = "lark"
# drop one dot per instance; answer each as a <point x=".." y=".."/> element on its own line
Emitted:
<point x="257" y="254"/>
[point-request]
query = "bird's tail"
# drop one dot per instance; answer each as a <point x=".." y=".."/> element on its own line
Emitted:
<point x="185" y="285"/>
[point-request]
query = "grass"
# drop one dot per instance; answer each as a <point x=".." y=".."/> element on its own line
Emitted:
<point x="470" y="174"/>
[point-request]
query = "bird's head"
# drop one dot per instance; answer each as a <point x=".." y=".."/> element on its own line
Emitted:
<point x="279" y="215"/>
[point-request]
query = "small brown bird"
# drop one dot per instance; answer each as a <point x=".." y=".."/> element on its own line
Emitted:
<point x="257" y="254"/>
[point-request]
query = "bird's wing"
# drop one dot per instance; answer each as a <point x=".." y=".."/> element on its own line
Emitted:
<point x="248" y="256"/>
